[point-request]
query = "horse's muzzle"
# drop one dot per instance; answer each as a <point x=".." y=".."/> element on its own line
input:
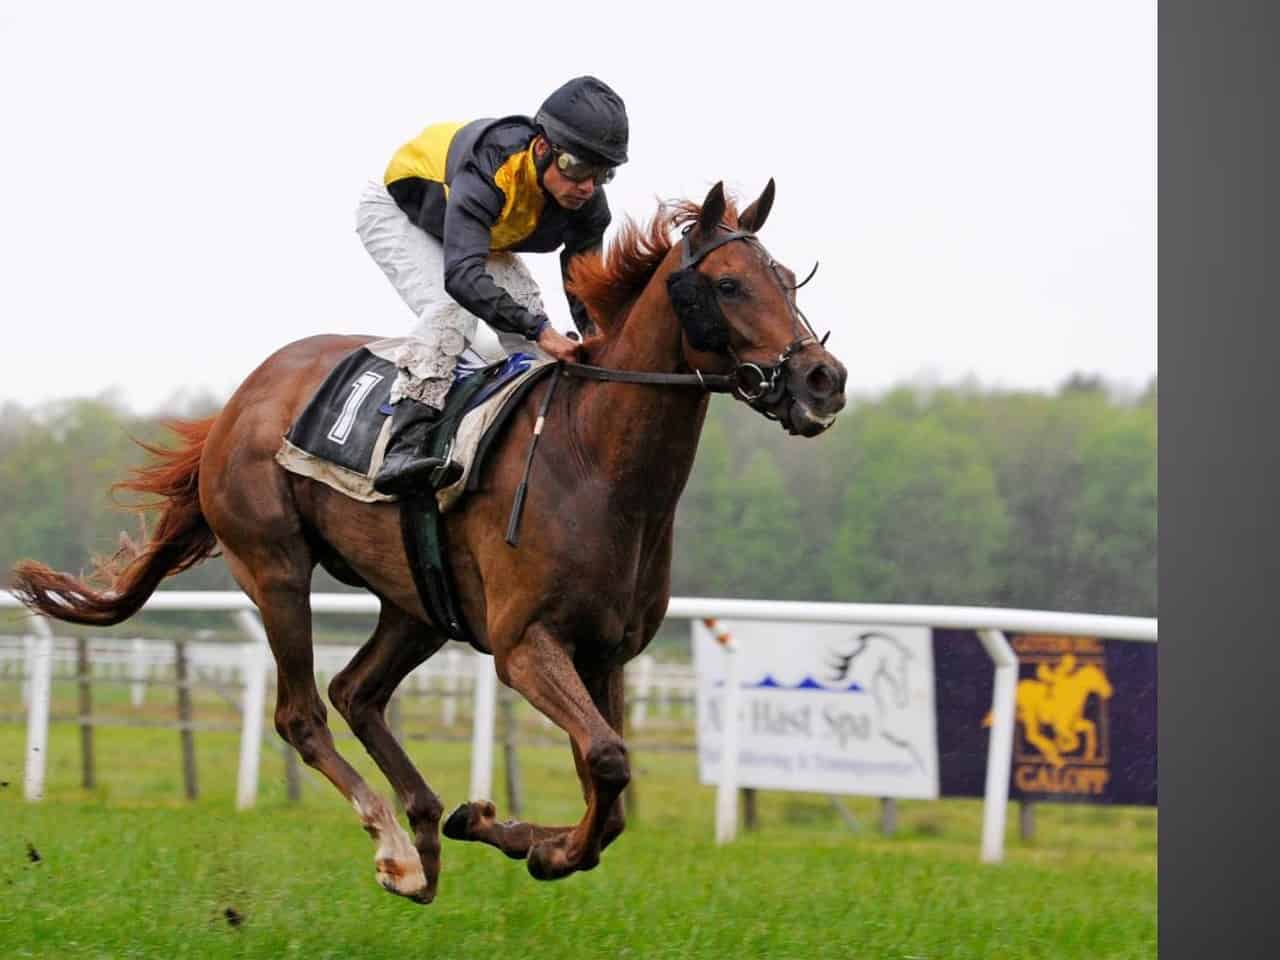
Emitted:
<point x="815" y="394"/>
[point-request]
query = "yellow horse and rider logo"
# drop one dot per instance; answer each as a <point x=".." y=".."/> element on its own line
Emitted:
<point x="1052" y="710"/>
<point x="1061" y="712"/>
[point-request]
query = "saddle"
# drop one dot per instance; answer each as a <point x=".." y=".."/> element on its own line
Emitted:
<point x="340" y="439"/>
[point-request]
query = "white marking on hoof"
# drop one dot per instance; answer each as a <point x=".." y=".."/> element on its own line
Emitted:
<point x="402" y="875"/>
<point x="399" y="869"/>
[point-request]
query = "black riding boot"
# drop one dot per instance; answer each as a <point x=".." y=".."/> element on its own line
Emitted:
<point x="405" y="469"/>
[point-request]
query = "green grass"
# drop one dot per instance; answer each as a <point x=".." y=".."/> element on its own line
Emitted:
<point x="133" y="870"/>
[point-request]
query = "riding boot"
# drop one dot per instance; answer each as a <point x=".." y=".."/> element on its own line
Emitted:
<point x="404" y="468"/>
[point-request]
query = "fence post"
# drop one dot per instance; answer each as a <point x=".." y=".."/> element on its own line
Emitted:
<point x="1000" y="746"/>
<point x="29" y="644"/>
<point x="643" y="689"/>
<point x="727" y="789"/>
<point x="87" y="779"/>
<point x="663" y="705"/>
<point x="138" y="667"/>
<point x="482" y="728"/>
<point x="40" y="682"/>
<point x="515" y="795"/>
<point x="255" y="683"/>
<point x="888" y="816"/>
<point x="185" y="733"/>
<point x="1027" y="820"/>
<point x="452" y="688"/>
<point x="749" y="820"/>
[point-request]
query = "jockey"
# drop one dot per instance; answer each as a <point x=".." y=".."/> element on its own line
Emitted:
<point x="455" y="205"/>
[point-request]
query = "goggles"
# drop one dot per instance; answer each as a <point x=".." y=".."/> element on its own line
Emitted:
<point x="579" y="170"/>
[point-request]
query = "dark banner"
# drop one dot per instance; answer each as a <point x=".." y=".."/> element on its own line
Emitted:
<point x="1086" y="718"/>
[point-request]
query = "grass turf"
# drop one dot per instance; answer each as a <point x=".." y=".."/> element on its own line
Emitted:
<point x="131" y="869"/>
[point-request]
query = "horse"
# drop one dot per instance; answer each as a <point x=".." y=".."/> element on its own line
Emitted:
<point x="1059" y="704"/>
<point x="562" y="613"/>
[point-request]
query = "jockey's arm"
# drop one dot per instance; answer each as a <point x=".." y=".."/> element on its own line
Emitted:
<point x="585" y="235"/>
<point x="474" y="207"/>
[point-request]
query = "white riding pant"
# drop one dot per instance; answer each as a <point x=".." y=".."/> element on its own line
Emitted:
<point x="448" y="336"/>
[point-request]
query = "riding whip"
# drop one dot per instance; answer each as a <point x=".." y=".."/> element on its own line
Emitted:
<point x="517" y="505"/>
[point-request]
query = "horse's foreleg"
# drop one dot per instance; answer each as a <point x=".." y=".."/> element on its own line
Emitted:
<point x="361" y="692"/>
<point x="607" y="693"/>
<point x="610" y="699"/>
<point x="478" y="820"/>
<point x="540" y="668"/>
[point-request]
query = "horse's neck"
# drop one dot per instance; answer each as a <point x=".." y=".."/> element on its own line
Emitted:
<point x="643" y="437"/>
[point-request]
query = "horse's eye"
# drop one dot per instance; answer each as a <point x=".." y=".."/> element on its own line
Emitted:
<point x="729" y="287"/>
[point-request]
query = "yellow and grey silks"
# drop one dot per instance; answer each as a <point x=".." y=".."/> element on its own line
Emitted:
<point x="456" y="204"/>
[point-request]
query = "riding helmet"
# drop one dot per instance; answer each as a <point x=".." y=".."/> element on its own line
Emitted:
<point x="586" y="117"/>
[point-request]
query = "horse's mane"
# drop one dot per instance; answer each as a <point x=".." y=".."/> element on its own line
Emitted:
<point x="607" y="283"/>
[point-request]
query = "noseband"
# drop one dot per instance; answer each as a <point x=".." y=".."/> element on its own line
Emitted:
<point x="694" y="298"/>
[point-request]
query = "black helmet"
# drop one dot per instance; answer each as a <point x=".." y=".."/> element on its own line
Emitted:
<point x="585" y="116"/>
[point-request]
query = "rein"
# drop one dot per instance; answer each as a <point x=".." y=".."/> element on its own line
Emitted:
<point x="711" y="382"/>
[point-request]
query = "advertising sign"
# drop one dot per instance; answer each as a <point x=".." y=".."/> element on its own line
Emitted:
<point x="1085" y="727"/>
<point x="828" y="708"/>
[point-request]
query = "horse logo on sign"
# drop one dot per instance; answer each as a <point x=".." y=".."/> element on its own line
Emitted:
<point x="1056" y="700"/>
<point x="1062" y="744"/>
<point x="885" y="661"/>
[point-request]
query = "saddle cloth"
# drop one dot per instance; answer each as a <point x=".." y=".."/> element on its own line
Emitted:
<point x="340" y="438"/>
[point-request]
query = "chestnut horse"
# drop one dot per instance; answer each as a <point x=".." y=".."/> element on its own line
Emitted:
<point x="561" y="614"/>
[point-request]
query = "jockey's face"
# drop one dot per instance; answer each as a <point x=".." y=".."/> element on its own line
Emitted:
<point x="570" y="194"/>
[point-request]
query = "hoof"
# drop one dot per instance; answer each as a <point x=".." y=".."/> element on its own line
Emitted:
<point x="459" y="824"/>
<point x="455" y="828"/>
<point x="405" y="880"/>
<point x="548" y="861"/>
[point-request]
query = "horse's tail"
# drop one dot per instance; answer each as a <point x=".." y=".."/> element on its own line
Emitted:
<point x="181" y="539"/>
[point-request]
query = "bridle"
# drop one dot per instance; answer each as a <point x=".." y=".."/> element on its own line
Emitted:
<point x="692" y="294"/>
<point x="697" y="307"/>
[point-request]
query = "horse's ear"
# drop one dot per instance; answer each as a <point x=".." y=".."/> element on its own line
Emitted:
<point x="712" y="209"/>
<point x="753" y="218"/>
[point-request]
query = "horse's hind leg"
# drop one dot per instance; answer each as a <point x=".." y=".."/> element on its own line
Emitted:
<point x="361" y="693"/>
<point x="280" y="584"/>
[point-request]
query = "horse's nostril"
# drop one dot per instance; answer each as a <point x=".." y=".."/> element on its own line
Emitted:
<point x="821" y="381"/>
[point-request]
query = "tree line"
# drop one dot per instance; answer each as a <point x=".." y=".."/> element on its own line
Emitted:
<point x="953" y="495"/>
<point x="921" y="494"/>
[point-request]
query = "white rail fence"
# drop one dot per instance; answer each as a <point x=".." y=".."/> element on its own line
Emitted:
<point x="42" y="655"/>
<point x="655" y="689"/>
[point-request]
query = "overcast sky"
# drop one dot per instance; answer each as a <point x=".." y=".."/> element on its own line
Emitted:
<point x="178" y="181"/>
